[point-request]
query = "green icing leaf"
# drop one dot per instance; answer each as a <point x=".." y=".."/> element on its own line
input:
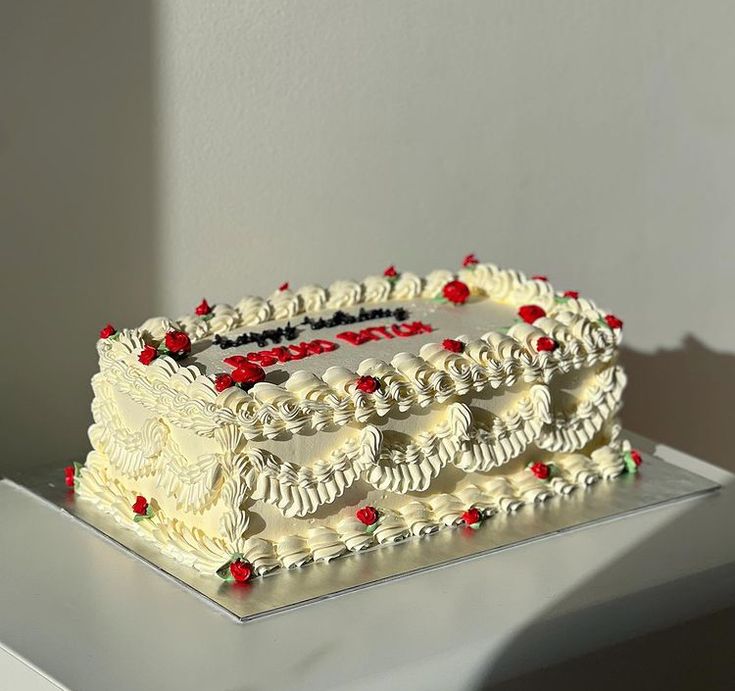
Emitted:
<point x="138" y="518"/>
<point x="77" y="466"/>
<point x="439" y="298"/>
<point x="475" y="526"/>
<point x="559" y="298"/>
<point x="224" y="572"/>
<point x="149" y="512"/>
<point x="630" y="465"/>
<point x="372" y="528"/>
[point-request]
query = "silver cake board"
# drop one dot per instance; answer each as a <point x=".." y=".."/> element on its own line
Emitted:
<point x="658" y="482"/>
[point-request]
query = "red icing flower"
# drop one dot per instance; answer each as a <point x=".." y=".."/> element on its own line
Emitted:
<point x="613" y="322"/>
<point x="452" y="345"/>
<point x="636" y="457"/>
<point x="203" y="308"/>
<point x="241" y="570"/>
<point x="367" y="384"/>
<point x="390" y="272"/>
<point x="147" y="355"/>
<point x="471" y="516"/>
<point x="69" y="476"/>
<point x="283" y="286"/>
<point x="222" y="382"/>
<point x="530" y="313"/>
<point x="574" y="294"/>
<point x="248" y="374"/>
<point x="540" y="470"/>
<point x="456" y="292"/>
<point x="546" y="344"/>
<point x="141" y="506"/>
<point x="108" y="331"/>
<point x="539" y="278"/>
<point x="470" y="260"/>
<point x="367" y="515"/>
<point x="178" y="343"/>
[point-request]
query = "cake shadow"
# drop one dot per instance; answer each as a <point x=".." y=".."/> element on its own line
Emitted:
<point x="682" y="398"/>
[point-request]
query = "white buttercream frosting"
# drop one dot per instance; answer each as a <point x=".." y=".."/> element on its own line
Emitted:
<point x="211" y="460"/>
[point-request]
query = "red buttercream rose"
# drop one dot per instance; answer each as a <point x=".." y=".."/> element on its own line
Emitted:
<point x="539" y="278"/>
<point x="147" y="355"/>
<point x="107" y="331"/>
<point x="141" y="506"/>
<point x="456" y="292"/>
<point x="574" y="294"/>
<point x="470" y="260"/>
<point x="248" y="374"/>
<point x="367" y="515"/>
<point x="283" y="286"/>
<point x="367" y="384"/>
<point x="613" y="322"/>
<point x="452" y="345"/>
<point x="222" y="382"/>
<point x="69" y="476"/>
<point x="203" y="308"/>
<point x="540" y="470"/>
<point x="390" y="272"/>
<point x="177" y="343"/>
<point x="546" y="344"/>
<point x="241" y="570"/>
<point x="471" y="516"/>
<point x="530" y="313"/>
<point x="636" y="456"/>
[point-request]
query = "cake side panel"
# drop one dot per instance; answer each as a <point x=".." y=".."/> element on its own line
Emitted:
<point x="473" y="452"/>
<point x="209" y="502"/>
<point x="192" y="484"/>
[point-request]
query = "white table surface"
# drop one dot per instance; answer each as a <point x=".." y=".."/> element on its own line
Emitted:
<point x="76" y="612"/>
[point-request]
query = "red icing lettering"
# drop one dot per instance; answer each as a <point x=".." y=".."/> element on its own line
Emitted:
<point x="381" y="331"/>
<point x="358" y="337"/>
<point x="319" y="345"/>
<point x="235" y="360"/>
<point x="280" y="353"/>
<point x="266" y="358"/>
<point x="421" y="328"/>
<point x="262" y="358"/>
<point x="402" y="330"/>
<point x="298" y="352"/>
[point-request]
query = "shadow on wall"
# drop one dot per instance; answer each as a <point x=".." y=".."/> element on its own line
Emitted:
<point x="682" y="398"/>
<point x="77" y="208"/>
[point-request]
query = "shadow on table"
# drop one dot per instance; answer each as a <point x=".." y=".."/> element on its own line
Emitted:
<point x="682" y="398"/>
<point x="691" y="656"/>
<point x="682" y="658"/>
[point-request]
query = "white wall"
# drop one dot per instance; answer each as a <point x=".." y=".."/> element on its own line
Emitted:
<point x="593" y="141"/>
<point x="161" y="153"/>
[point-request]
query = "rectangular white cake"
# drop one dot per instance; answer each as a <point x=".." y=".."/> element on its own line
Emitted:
<point x="320" y="422"/>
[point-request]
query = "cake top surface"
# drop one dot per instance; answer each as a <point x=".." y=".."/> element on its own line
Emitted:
<point x="399" y="327"/>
